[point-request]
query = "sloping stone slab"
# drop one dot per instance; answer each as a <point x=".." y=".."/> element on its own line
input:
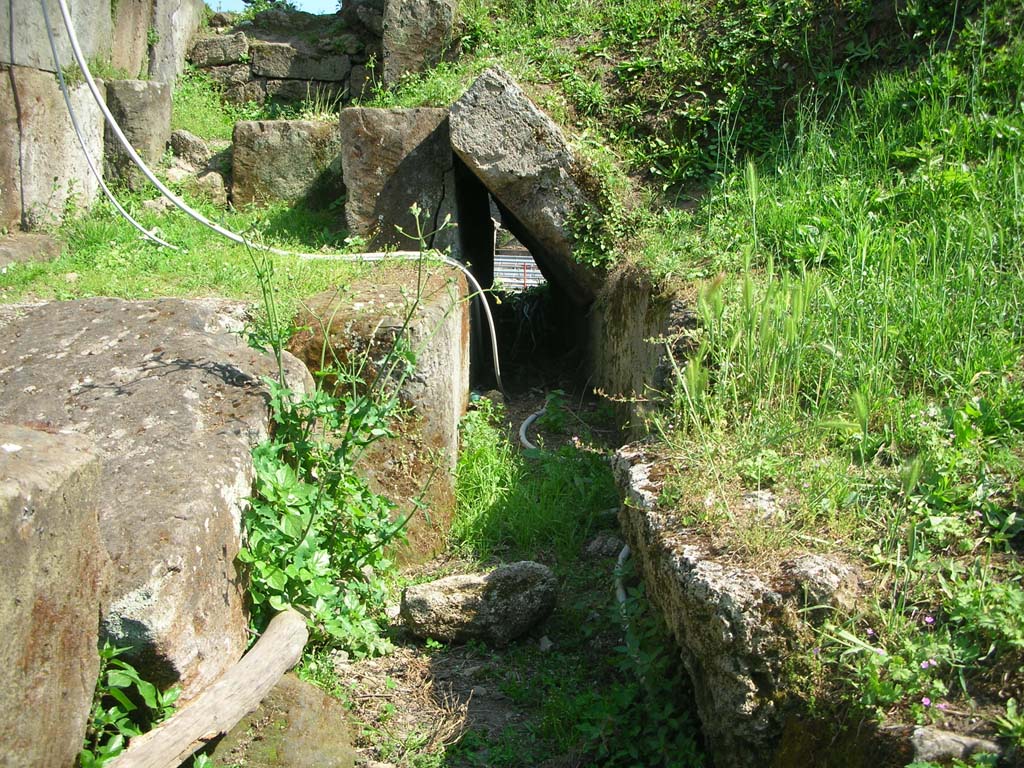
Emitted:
<point x="172" y="397"/>
<point x="391" y="159"/>
<point x="525" y="162"/>
<point x="296" y="726"/>
<point x="54" y="568"/>
<point x="286" y="160"/>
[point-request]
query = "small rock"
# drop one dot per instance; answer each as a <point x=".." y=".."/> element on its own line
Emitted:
<point x="71" y="277"/>
<point x="157" y="205"/>
<point x="496" y="607"/>
<point x="212" y="185"/>
<point x="938" y="745"/>
<point x="604" y="545"/>
<point x="763" y="502"/>
<point x="222" y="19"/>
<point x="177" y="174"/>
<point x="545" y="644"/>
<point x="826" y="582"/>
<point x="190" y="148"/>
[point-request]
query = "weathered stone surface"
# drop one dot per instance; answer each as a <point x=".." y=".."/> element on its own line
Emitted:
<point x="361" y="322"/>
<point x="190" y="148"/>
<point x="286" y="160"/>
<point x="626" y="357"/>
<point x="30" y="46"/>
<point x="294" y="91"/>
<point x="725" y="620"/>
<point x="242" y="93"/>
<point x="296" y="726"/>
<point x="222" y="19"/>
<point x="825" y="583"/>
<point x="230" y="74"/>
<point x="22" y="247"/>
<point x="938" y="745"/>
<point x="129" y="50"/>
<point x="171" y="396"/>
<point x="54" y="568"/>
<point x="211" y="184"/>
<point x="41" y="163"/>
<point x="283" y="60"/>
<point x="496" y="607"/>
<point x="174" y="24"/>
<point x="417" y="35"/>
<point x="143" y="110"/>
<point x="219" y="49"/>
<point x="525" y="162"/>
<point x="392" y="158"/>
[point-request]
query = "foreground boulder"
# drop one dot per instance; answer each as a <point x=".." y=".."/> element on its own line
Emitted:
<point x="496" y="607"/>
<point x="296" y="726"/>
<point x="54" y="567"/>
<point x="171" y="396"/>
<point x="288" y="160"/>
<point x="526" y="163"/>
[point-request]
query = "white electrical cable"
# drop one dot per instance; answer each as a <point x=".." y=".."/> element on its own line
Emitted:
<point x="81" y="139"/>
<point x="183" y="206"/>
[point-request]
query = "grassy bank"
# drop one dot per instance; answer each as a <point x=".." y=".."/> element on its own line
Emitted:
<point x="860" y="355"/>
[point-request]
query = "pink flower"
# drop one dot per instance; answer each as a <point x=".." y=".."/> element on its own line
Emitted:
<point x="926" y="701"/>
<point x="941" y="705"/>
<point x="929" y="620"/>
<point x="871" y="632"/>
<point x="925" y="665"/>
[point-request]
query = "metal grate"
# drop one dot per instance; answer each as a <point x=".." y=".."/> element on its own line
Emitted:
<point x="516" y="269"/>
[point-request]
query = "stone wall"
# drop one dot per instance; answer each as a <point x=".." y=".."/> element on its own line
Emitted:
<point x="42" y="168"/>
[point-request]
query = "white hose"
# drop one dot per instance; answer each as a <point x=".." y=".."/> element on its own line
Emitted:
<point x="620" y="588"/>
<point x="186" y="208"/>
<point x="81" y="139"/>
<point x="527" y="423"/>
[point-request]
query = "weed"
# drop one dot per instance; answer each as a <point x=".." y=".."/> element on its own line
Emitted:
<point x="123" y="705"/>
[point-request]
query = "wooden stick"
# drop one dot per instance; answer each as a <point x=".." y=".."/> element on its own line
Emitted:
<point x="219" y="708"/>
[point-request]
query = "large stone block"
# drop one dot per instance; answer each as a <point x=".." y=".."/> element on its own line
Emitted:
<point x="30" y="46"/>
<point x="391" y="159"/>
<point x="54" y="567"/>
<point x="359" y="323"/>
<point x="417" y="35"/>
<point x="286" y="160"/>
<point x="172" y="398"/>
<point x="42" y="168"/>
<point x="174" y="23"/>
<point x="130" y="49"/>
<point x="143" y="110"/>
<point x="526" y="163"/>
<point x="285" y="61"/>
<point x="219" y="49"/>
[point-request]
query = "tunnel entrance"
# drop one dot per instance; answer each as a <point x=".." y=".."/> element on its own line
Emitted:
<point x="542" y="330"/>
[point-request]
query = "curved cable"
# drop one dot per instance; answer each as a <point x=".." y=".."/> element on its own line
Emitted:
<point x="185" y="207"/>
<point x="81" y="139"/>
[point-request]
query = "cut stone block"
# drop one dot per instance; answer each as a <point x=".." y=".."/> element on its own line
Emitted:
<point x="130" y="49"/>
<point x="391" y="159"/>
<point x="22" y="247"/>
<point x="418" y="34"/>
<point x="174" y="24"/>
<point x="286" y="160"/>
<point x="42" y="169"/>
<point x="143" y="110"/>
<point x="285" y="61"/>
<point x="219" y="49"/>
<point x="30" y="45"/>
<point x="54" y="569"/>
<point x="362" y="320"/>
<point x="171" y="396"/>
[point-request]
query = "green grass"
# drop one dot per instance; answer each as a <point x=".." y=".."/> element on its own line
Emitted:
<point x="104" y="255"/>
<point x="860" y="353"/>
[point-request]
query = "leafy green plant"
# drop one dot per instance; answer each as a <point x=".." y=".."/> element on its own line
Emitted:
<point x="124" y="705"/>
